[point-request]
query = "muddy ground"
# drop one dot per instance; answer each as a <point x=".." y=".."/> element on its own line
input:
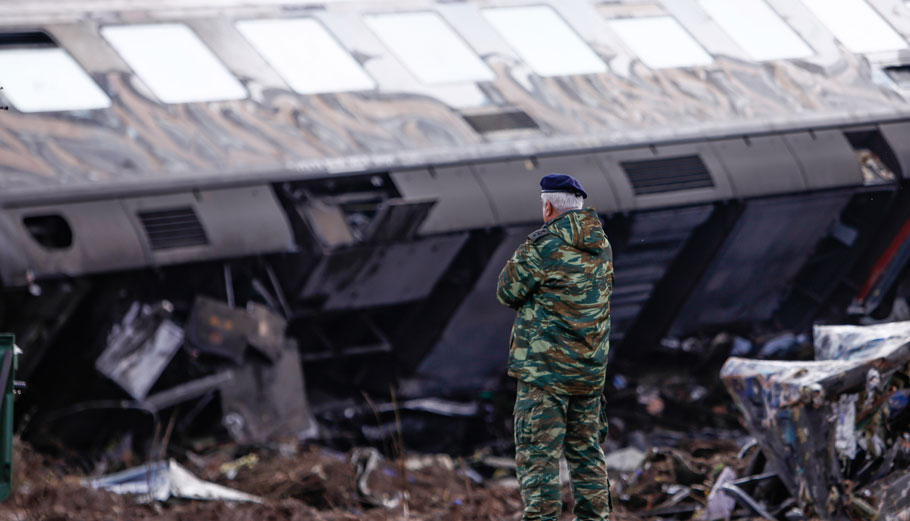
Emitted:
<point x="314" y="483"/>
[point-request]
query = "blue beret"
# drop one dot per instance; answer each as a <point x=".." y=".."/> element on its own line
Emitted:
<point x="562" y="183"/>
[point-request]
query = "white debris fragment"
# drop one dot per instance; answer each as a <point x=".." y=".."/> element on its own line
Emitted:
<point x="161" y="480"/>
<point x="845" y="429"/>
<point x="873" y="385"/>
<point x="720" y="505"/>
<point x="859" y="342"/>
<point x="627" y="459"/>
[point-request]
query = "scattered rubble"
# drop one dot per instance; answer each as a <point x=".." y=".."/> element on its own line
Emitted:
<point x="832" y="432"/>
<point x="290" y="481"/>
<point x="236" y="361"/>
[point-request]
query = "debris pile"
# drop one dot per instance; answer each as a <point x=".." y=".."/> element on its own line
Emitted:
<point x="290" y="481"/>
<point x="836" y="430"/>
<point x="832" y="432"/>
<point x="177" y="365"/>
<point x="286" y="482"/>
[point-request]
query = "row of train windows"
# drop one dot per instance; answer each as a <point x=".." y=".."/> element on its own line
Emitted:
<point x="178" y="68"/>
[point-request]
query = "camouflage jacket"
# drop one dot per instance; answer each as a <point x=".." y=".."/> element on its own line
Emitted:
<point x="560" y="280"/>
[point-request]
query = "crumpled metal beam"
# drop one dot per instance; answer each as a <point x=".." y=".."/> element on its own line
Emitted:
<point x="813" y="417"/>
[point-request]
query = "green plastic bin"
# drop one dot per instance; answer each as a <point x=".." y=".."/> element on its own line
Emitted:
<point x="7" y="371"/>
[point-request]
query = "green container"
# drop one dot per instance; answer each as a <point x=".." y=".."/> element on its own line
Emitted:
<point x="7" y="371"/>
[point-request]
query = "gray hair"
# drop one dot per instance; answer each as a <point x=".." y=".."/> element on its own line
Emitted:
<point x="563" y="201"/>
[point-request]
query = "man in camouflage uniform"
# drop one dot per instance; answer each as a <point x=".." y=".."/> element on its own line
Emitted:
<point x="560" y="280"/>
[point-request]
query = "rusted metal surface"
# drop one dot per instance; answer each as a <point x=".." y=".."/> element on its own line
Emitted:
<point x="140" y="143"/>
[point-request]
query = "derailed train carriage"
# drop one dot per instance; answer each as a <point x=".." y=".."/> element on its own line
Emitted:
<point x="364" y="169"/>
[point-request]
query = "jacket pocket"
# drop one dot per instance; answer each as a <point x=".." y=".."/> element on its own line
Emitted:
<point x="527" y="403"/>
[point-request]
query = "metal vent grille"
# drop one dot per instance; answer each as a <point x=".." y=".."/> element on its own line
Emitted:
<point x="655" y="176"/>
<point x="173" y="228"/>
<point x="499" y="121"/>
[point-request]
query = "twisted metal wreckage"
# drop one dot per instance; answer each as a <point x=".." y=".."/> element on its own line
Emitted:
<point x="835" y="430"/>
<point x="207" y="254"/>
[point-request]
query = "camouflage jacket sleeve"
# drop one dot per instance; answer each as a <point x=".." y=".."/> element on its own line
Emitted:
<point x="520" y="277"/>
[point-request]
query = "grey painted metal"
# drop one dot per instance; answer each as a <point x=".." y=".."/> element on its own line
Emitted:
<point x="265" y="400"/>
<point x="373" y="275"/>
<point x="107" y="234"/>
<point x="655" y="239"/>
<point x="760" y="165"/>
<point x="121" y="247"/>
<point x="514" y="186"/>
<point x="629" y="201"/>
<point x="898" y="137"/>
<point x="460" y="199"/>
<point x="474" y="345"/>
<point x="588" y="124"/>
<point x="237" y="221"/>
<point x="770" y="242"/>
<point x="826" y="158"/>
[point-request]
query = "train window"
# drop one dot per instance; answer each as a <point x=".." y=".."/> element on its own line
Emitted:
<point x="561" y="53"/>
<point x="856" y="25"/>
<point x="660" y="42"/>
<point x="757" y="29"/>
<point x="51" y="231"/>
<point x="429" y="47"/>
<point x="899" y="74"/>
<point x="39" y="76"/>
<point x="174" y="63"/>
<point x="306" y="55"/>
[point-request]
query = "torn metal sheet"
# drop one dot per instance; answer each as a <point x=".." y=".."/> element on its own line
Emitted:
<point x="366" y="461"/>
<point x="845" y="433"/>
<point x="163" y="480"/>
<point x="720" y="505"/>
<point x="849" y="342"/>
<point x="140" y="347"/>
<point x="218" y="329"/>
<point x="889" y="497"/>
<point x="267" y="333"/>
<point x="740" y="495"/>
<point x="266" y="401"/>
<point x="379" y="276"/>
<point x="186" y="391"/>
<point x="821" y="422"/>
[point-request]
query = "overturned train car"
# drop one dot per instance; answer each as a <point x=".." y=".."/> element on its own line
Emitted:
<point x="360" y="171"/>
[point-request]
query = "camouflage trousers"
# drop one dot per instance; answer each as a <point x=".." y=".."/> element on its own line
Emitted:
<point x="546" y="426"/>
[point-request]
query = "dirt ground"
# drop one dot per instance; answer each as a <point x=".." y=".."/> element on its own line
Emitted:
<point x="316" y="484"/>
